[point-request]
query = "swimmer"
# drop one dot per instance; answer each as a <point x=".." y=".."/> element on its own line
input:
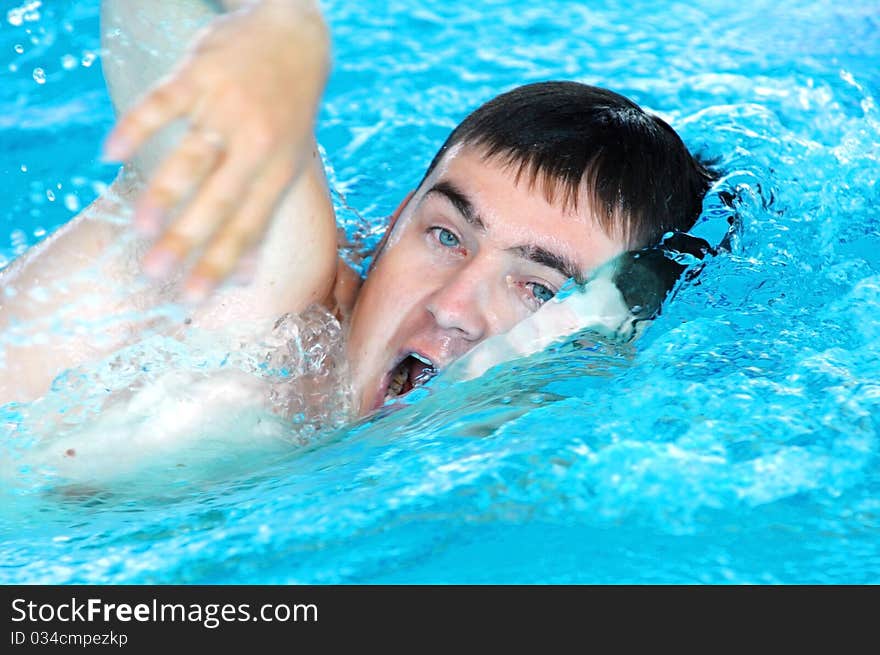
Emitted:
<point x="541" y="186"/>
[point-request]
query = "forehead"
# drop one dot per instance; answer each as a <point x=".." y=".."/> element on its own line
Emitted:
<point x="515" y="213"/>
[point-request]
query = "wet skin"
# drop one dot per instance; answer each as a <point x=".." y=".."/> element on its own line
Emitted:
<point x="469" y="255"/>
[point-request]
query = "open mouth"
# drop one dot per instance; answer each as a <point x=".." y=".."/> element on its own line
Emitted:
<point x="413" y="371"/>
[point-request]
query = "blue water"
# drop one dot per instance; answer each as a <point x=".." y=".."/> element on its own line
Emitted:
<point x="735" y="442"/>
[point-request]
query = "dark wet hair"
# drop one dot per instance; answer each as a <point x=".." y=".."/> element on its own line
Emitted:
<point x="571" y="138"/>
<point x="646" y="277"/>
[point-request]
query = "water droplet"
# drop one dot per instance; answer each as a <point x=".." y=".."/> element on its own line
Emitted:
<point x="19" y="48"/>
<point x="23" y="168"/>
<point x="18" y="238"/>
<point x="68" y="62"/>
<point x="50" y="195"/>
<point x="12" y="68"/>
<point x="27" y="12"/>
<point x="88" y="58"/>
<point x="39" y="76"/>
<point x="40" y="232"/>
<point x="71" y="202"/>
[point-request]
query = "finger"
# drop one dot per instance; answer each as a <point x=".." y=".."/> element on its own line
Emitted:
<point x="176" y="178"/>
<point x="169" y="100"/>
<point x="221" y="194"/>
<point x="240" y="233"/>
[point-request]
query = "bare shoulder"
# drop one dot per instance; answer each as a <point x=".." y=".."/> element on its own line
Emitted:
<point x="296" y="265"/>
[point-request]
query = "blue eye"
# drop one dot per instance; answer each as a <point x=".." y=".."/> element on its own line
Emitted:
<point x="542" y="294"/>
<point x="447" y="238"/>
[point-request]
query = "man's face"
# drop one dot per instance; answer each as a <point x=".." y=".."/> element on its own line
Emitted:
<point x="470" y="255"/>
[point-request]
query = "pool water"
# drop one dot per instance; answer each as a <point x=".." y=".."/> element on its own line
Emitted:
<point x="735" y="442"/>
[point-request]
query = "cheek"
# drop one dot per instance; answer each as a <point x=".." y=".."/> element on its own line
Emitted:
<point x="506" y="305"/>
<point x="504" y="315"/>
<point x="400" y="273"/>
<point x="384" y="301"/>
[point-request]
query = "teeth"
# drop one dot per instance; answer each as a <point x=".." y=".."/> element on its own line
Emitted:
<point x="423" y="360"/>
<point x="397" y="381"/>
<point x="400" y="377"/>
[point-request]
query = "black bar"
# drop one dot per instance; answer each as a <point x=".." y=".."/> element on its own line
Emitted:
<point x="265" y="618"/>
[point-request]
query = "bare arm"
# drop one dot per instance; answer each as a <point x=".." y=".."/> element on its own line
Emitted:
<point x="246" y="94"/>
<point x="234" y="83"/>
<point x="141" y="42"/>
<point x="98" y="259"/>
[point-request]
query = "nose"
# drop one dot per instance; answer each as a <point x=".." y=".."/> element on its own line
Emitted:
<point x="460" y="304"/>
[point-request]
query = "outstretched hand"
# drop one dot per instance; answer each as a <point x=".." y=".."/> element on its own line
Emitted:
<point x="248" y="89"/>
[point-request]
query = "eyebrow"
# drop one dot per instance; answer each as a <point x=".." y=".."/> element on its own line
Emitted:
<point x="460" y="201"/>
<point x="532" y="253"/>
<point x="546" y="258"/>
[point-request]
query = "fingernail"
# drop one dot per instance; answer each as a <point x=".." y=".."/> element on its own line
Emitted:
<point x="197" y="289"/>
<point x="158" y="263"/>
<point x="115" y="148"/>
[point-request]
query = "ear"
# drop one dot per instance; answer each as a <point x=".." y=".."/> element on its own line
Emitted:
<point x="392" y="221"/>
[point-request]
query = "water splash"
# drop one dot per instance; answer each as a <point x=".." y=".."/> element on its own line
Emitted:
<point x="169" y="402"/>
